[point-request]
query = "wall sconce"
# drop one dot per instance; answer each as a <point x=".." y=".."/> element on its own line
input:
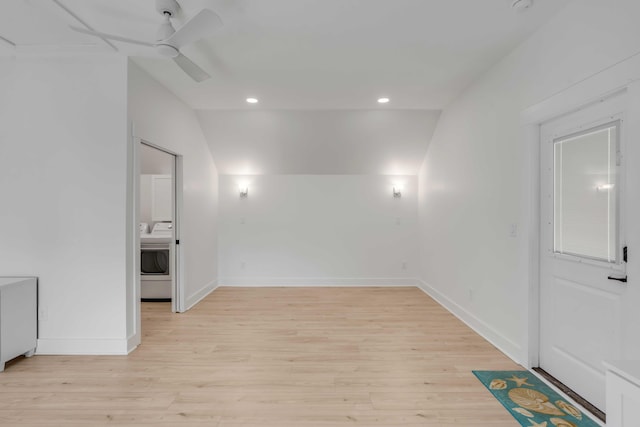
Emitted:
<point x="244" y="191"/>
<point x="605" y="187"/>
<point x="397" y="191"/>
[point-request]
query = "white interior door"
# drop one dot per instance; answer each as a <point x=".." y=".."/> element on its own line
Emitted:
<point x="582" y="245"/>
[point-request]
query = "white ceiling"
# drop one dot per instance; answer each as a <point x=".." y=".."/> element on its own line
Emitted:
<point x="302" y="54"/>
<point x="375" y="142"/>
<point x="302" y="59"/>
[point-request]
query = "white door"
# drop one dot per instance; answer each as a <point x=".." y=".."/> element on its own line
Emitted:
<point x="582" y="245"/>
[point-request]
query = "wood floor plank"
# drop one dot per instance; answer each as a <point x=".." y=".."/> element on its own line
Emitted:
<point x="323" y="357"/>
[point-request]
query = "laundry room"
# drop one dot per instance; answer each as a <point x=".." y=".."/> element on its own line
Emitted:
<point x="156" y="224"/>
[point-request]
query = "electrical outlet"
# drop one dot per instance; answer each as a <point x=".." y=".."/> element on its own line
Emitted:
<point x="404" y="265"/>
<point x="43" y="313"/>
<point x="513" y="230"/>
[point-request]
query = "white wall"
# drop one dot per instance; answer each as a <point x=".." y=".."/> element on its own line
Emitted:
<point x="63" y="167"/>
<point x="474" y="183"/>
<point x="317" y="230"/>
<point x="350" y="142"/>
<point x="64" y="182"/>
<point x="161" y="118"/>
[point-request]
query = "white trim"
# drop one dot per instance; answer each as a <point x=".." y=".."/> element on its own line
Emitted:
<point x="531" y="137"/>
<point x="82" y="346"/>
<point x="132" y="294"/>
<point x="317" y="281"/>
<point x="502" y="343"/>
<point x="178" y="279"/>
<point x="600" y="85"/>
<point x="133" y="342"/>
<point x="200" y="295"/>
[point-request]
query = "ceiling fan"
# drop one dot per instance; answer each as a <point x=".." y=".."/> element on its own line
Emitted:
<point x="169" y="41"/>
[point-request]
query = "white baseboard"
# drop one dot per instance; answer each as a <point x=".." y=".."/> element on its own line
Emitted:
<point x="316" y="281"/>
<point x="502" y="343"/>
<point x="132" y="342"/>
<point x="79" y="346"/>
<point x="82" y="346"/>
<point x="200" y="295"/>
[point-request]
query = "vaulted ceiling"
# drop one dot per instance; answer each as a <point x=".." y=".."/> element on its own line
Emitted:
<point x="302" y="58"/>
<point x="301" y="54"/>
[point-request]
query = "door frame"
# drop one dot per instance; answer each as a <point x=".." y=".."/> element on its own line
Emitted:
<point x="133" y="254"/>
<point x="622" y="77"/>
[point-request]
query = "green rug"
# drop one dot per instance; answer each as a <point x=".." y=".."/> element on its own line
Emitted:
<point x="531" y="402"/>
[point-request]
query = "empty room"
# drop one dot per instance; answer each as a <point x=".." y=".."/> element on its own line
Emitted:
<point x="320" y="213"/>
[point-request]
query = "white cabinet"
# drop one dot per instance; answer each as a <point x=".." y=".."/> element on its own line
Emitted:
<point x="623" y="393"/>
<point x="161" y="198"/>
<point x="18" y="317"/>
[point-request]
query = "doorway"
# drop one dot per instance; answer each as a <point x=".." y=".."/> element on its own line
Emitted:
<point x="158" y="192"/>
<point x="583" y="245"/>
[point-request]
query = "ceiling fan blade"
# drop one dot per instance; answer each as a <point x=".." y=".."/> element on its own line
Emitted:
<point x="189" y="67"/>
<point x="7" y="42"/>
<point x="203" y="24"/>
<point x="110" y="36"/>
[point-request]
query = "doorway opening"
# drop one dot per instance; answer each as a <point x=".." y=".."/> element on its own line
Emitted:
<point x="158" y="199"/>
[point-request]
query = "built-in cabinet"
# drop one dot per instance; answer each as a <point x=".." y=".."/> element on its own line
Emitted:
<point x="623" y="393"/>
<point x="156" y="203"/>
<point x="161" y="204"/>
<point x="18" y="317"/>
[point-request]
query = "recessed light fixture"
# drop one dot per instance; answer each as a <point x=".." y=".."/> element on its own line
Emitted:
<point x="252" y="100"/>
<point x="383" y="100"/>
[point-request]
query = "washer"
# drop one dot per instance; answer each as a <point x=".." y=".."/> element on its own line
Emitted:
<point x="155" y="262"/>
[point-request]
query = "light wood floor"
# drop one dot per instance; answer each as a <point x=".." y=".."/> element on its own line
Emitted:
<point x="273" y="357"/>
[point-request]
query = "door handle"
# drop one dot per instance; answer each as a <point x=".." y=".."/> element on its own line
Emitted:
<point x="619" y="279"/>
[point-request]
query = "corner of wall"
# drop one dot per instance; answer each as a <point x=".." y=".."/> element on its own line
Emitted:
<point x="200" y="295"/>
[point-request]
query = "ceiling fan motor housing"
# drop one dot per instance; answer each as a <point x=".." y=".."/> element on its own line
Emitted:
<point x="165" y="30"/>
<point x="167" y="51"/>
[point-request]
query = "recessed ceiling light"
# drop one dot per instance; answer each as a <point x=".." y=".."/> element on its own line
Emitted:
<point x="252" y="100"/>
<point x="383" y="100"/>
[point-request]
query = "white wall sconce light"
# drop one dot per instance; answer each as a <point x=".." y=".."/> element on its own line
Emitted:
<point x="397" y="191"/>
<point x="244" y="191"/>
<point x="605" y="187"/>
